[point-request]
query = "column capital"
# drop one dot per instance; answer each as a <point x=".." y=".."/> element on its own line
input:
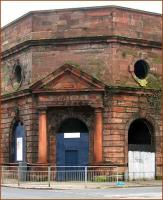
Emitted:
<point x="98" y="110"/>
<point x="42" y="110"/>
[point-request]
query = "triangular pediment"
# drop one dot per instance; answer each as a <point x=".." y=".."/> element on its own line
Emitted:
<point x="68" y="78"/>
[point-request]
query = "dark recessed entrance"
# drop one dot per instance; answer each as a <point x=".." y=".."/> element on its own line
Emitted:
<point x="73" y="125"/>
<point x="141" y="152"/>
<point x="140" y="135"/>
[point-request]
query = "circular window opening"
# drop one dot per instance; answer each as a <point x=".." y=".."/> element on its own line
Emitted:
<point x="18" y="73"/>
<point x="141" y="69"/>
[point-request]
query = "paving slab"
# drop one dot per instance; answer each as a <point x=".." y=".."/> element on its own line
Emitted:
<point x="89" y="185"/>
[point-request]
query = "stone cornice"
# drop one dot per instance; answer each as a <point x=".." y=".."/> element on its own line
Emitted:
<point x="108" y="90"/>
<point x="81" y="40"/>
<point x="130" y="90"/>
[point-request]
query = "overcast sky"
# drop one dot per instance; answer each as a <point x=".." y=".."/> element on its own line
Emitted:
<point x="11" y="10"/>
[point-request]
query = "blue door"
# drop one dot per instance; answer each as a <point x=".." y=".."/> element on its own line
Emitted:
<point x="71" y="161"/>
<point x="71" y="152"/>
<point x="71" y="157"/>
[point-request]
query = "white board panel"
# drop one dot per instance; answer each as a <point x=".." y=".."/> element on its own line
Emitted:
<point x="19" y="147"/>
<point x="72" y="135"/>
<point x="141" y="165"/>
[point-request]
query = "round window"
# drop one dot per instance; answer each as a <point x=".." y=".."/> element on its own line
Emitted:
<point x="18" y="73"/>
<point x="141" y="69"/>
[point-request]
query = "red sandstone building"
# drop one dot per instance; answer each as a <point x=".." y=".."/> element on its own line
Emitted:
<point x="82" y="87"/>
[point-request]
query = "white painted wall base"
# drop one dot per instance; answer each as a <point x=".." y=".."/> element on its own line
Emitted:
<point x="141" y="165"/>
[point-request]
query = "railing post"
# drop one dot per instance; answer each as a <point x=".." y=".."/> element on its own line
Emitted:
<point x="18" y="175"/>
<point x="117" y="175"/>
<point x="85" y="175"/>
<point x="2" y="174"/>
<point x="49" y="170"/>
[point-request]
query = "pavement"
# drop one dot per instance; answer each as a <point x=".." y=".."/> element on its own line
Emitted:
<point x="111" y="193"/>
<point x="88" y="185"/>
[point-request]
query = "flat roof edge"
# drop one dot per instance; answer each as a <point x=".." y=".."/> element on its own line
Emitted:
<point x="78" y="9"/>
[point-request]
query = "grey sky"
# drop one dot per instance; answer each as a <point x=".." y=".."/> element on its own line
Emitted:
<point x="11" y="10"/>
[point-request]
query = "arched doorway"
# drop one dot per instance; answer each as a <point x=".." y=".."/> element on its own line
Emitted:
<point x="17" y="149"/>
<point x="72" y="143"/>
<point x="141" y="151"/>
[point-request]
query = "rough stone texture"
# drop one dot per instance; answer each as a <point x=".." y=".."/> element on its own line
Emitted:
<point x="100" y="59"/>
<point x="120" y="112"/>
<point x="7" y="67"/>
<point x="81" y="23"/>
<point x="27" y="115"/>
<point x="104" y="43"/>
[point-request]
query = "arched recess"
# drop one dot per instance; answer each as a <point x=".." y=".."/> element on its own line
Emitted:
<point x="141" y="134"/>
<point x="58" y="116"/>
<point x="17" y="142"/>
<point x="141" y="149"/>
<point x="72" y="143"/>
<point x="73" y="125"/>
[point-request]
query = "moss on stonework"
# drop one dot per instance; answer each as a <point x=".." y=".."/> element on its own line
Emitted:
<point x="126" y="84"/>
<point x="129" y="52"/>
<point x="157" y="60"/>
<point x="96" y="68"/>
<point x="153" y="82"/>
<point x="73" y="64"/>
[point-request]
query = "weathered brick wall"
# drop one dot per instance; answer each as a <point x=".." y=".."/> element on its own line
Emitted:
<point x="125" y="56"/>
<point x="16" y="32"/>
<point x="133" y="24"/>
<point x="119" y="112"/>
<point x="95" y="59"/>
<point x="101" y="61"/>
<point x="110" y="63"/>
<point x="28" y="116"/>
<point x="7" y="66"/>
<point x="83" y="22"/>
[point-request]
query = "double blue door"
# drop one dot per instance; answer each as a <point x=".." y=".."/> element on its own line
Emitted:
<point x="72" y="153"/>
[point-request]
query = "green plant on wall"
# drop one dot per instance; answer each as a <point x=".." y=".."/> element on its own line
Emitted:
<point x="154" y="100"/>
<point x="154" y="81"/>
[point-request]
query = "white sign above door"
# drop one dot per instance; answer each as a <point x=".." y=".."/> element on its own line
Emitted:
<point x="72" y="135"/>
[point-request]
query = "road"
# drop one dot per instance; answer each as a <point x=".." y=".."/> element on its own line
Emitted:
<point x="137" y="192"/>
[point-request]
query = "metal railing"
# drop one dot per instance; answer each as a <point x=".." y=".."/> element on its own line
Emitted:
<point x="48" y="175"/>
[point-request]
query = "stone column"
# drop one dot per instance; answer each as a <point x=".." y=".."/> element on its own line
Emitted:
<point x="98" y="136"/>
<point x="42" y="138"/>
